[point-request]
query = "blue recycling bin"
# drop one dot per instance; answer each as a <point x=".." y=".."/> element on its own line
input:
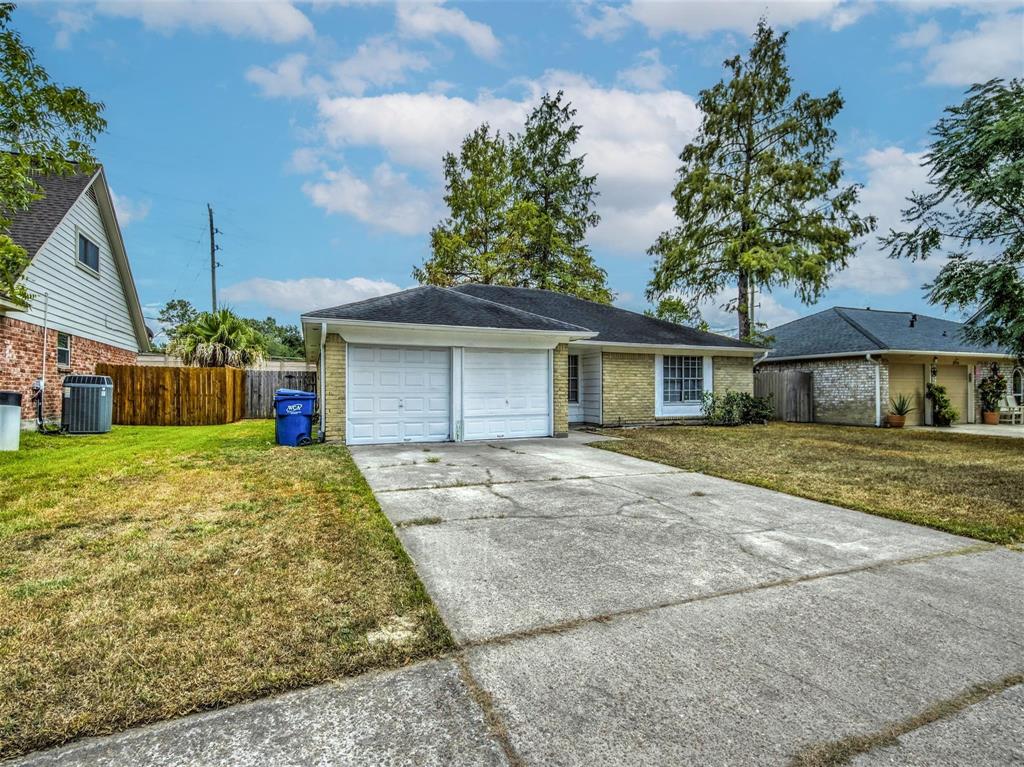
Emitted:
<point x="293" y="417"/>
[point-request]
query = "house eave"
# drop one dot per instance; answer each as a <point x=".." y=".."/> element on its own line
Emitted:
<point x="917" y="352"/>
<point x="736" y="351"/>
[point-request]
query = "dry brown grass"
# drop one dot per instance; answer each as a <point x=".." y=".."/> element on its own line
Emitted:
<point x="156" y="571"/>
<point x="964" y="484"/>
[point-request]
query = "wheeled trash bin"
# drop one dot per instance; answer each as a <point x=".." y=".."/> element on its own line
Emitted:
<point x="293" y="417"/>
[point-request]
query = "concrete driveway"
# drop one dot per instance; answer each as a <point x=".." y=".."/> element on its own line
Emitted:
<point x="615" y="611"/>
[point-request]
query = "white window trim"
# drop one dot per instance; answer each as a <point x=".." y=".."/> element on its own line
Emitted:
<point x="57" y="349"/>
<point x="662" y="410"/>
<point x="578" y="402"/>
<point x="80" y="232"/>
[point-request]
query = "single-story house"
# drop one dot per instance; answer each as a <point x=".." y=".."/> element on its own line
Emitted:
<point x="85" y="309"/>
<point x="864" y="358"/>
<point x="487" y="362"/>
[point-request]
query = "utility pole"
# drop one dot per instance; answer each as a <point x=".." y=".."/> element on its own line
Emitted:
<point x="214" y="247"/>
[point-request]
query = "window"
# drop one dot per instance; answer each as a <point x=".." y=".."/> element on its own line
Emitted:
<point x="682" y="380"/>
<point x="574" y="378"/>
<point x="88" y="253"/>
<point x="63" y="350"/>
<point x="1017" y="384"/>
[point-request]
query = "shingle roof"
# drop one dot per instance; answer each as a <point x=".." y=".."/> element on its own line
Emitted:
<point x="31" y="228"/>
<point x="839" y="330"/>
<point x="430" y="305"/>
<point x="613" y="325"/>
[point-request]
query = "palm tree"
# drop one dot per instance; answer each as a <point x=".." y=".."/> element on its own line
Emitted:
<point x="218" y="339"/>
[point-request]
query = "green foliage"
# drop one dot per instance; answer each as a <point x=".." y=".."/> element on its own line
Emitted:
<point x="282" y="340"/>
<point x="991" y="390"/>
<point x="218" y="339"/>
<point x="901" y="405"/>
<point x="519" y="210"/>
<point x="759" y="199"/>
<point x="943" y="412"/>
<point x="735" y="408"/>
<point x="45" y="129"/>
<point x="975" y="213"/>
<point x="678" y="311"/>
<point x="477" y="242"/>
<point x="175" y="313"/>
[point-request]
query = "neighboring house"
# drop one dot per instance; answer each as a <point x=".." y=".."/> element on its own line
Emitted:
<point x="84" y="308"/>
<point x="864" y="358"/>
<point x="488" y="362"/>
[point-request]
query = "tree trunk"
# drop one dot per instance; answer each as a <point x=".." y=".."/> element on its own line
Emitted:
<point x="743" y="305"/>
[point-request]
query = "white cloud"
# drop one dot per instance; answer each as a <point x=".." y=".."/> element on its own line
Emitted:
<point x="649" y="74"/>
<point x="285" y="79"/>
<point x="892" y="174"/>
<point x="994" y="48"/>
<point x="129" y="211"/>
<point x="69" y="22"/>
<point x="698" y="18"/>
<point x="922" y="36"/>
<point x="377" y="62"/>
<point x="387" y="200"/>
<point x="277" y="21"/>
<point x="429" y="18"/>
<point x="631" y="140"/>
<point x="306" y="294"/>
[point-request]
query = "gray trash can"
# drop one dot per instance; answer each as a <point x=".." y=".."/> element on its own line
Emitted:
<point x="10" y="420"/>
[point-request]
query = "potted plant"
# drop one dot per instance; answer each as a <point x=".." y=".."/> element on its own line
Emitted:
<point x="991" y="390"/>
<point x="943" y="412"/>
<point x="898" y="410"/>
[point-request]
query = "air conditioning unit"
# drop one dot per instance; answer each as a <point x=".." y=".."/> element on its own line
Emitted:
<point x="88" y="404"/>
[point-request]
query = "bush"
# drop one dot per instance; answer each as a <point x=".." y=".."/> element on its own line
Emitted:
<point x="734" y="408"/>
<point x="991" y="390"/>
<point x="943" y="412"/>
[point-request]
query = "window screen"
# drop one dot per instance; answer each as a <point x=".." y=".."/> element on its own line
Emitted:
<point x="683" y="379"/>
<point x="63" y="350"/>
<point x="574" y="378"/>
<point x="88" y="252"/>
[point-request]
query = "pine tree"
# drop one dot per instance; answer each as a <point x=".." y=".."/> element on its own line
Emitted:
<point x="562" y="204"/>
<point x="759" y="200"/>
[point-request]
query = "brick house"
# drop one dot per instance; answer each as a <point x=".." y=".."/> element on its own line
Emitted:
<point x="84" y="308"/>
<point x="490" y="362"/>
<point x="864" y="358"/>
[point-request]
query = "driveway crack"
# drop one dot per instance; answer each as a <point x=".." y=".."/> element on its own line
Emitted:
<point x="492" y="718"/>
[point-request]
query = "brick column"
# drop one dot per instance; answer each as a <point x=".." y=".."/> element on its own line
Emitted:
<point x="334" y="400"/>
<point x="560" y="390"/>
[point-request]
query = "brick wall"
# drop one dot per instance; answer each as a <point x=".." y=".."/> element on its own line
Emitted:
<point x="334" y="401"/>
<point x="844" y="389"/>
<point x="733" y="374"/>
<point x="21" y="351"/>
<point x="627" y="383"/>
<point x="560" y="390"/>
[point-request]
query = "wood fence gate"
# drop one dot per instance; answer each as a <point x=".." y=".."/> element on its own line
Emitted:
<point x="260" y="386"/>
<point x="791" y="392"/>
<point x="175" y="396"/>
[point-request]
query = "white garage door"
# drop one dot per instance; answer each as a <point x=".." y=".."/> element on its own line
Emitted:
<point x="505" y="394"/>
<point x="398" y="394"/>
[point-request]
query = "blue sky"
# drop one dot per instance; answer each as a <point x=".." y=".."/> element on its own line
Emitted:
<point x="316" y="130"/>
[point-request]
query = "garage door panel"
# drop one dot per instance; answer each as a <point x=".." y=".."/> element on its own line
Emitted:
<point x="908" y="380"/>
<point x="398" y="394"/>
<point x="505" y="394"/>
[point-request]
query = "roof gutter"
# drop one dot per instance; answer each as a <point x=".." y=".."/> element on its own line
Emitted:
<point x="864" y="352"/>
<point x="322" y="431"/>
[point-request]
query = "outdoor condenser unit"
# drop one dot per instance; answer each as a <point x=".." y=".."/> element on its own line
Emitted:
<point x="88" y="404"/>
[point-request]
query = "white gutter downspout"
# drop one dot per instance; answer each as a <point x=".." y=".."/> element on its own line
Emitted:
<point x="323" y="379"/>
<point x="878" y="388"/>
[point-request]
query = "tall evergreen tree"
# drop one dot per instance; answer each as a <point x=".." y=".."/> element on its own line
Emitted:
<point x="975" y="213"/>
<point x="476" y="242"/>
<point x="759" y="200"/>
<point x="519" y="210"/>
<point x="562" y="199"/>
<point x="45" y="129"/>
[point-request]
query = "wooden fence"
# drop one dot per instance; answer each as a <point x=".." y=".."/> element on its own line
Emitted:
<point x="260" y="386"/>
<point x="173" y="396"/>
<point x="791" y="392"/>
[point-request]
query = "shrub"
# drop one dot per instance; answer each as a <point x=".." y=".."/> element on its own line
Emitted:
<point x="991" y="389"/>
<point x="943" y="412"/>
<point x="734" y="408"/>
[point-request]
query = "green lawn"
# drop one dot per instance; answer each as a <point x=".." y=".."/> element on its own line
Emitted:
<point x="155" y="571"/>
<point x="963" y="484"/>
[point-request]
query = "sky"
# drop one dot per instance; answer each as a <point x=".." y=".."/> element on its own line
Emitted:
<point x="316" y="130"/>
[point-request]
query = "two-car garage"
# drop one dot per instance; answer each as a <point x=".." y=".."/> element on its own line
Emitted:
<point x="429" y="394"/>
